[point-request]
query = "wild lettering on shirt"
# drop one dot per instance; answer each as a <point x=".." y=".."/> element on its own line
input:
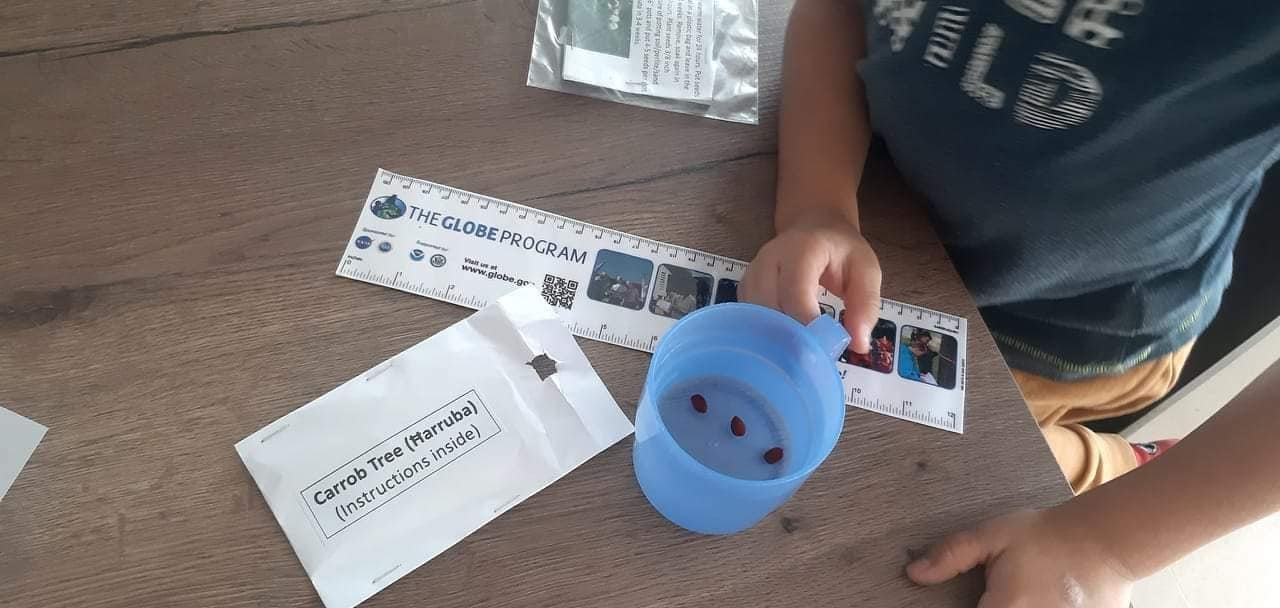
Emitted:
<point x="1040" y="11"/>
<point x="948" y="30"/>
<point x="900" y="16"/>
<point x="975" y="74"/>
<point x="1057" y="94"/>
<point x="1090" y="20"/>
<point x="1056" y="91"/>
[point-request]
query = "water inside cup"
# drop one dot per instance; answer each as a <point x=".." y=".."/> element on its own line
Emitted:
<point x="710" y="437"/>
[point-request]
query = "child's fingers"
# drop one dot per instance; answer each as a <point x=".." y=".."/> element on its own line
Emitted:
<point x="859" y="320"/>
<point x="861" y="295"/>
<point x="760" y="283"/>
<point x="958" y="553"/>
<point x="798" y="286"/>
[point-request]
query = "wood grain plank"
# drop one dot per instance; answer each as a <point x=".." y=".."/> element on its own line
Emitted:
<point x="70" y="28"/>
<point x="172" y="218"/>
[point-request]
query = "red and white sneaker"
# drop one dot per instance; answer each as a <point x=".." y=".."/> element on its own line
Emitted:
<point x="1146" y="452"/>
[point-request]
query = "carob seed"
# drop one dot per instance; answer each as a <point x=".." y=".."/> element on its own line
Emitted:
<point x="699" y="403"/>
<point x="738" y="427"/>
<point x="773" y="455"/>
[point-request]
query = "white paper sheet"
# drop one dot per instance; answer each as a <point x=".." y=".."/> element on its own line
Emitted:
<point x="18" y="439"/>
<point x="385" y="472"/>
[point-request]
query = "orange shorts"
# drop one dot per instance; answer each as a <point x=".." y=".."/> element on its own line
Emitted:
<point x="1089" y="459"/>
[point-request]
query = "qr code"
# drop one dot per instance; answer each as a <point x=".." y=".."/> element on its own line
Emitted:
<point x="558" y="291"/>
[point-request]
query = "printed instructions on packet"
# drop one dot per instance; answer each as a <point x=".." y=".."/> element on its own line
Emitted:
<point x="391" y="468"/>
<point x="651" y="47"/>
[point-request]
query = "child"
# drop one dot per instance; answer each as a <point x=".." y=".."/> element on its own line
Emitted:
<point x="1089" y="164"/>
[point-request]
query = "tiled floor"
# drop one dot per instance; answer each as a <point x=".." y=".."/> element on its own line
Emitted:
<point x="1238" y="571"/>
<point x="1241" y="570"/>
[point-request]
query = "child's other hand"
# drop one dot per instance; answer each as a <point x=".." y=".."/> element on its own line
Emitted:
<point x="1031" y="560"/>
<point x="818" y="250"/>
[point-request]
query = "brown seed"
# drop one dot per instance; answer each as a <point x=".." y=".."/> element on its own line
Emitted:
<point x="738" y="427"/>
<point x="773" y="455"/>
<point x="699" y="403"/>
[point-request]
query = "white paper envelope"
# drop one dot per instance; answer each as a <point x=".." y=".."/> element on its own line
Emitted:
<point x="18" y="439"/>
<point x="385" y="472"/>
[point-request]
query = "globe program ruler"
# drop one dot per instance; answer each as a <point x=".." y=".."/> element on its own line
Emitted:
<point x="456" y="246"/>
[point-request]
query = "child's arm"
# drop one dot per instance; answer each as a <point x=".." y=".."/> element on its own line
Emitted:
<point x="823" y="132"/>
<point x="823" y="137"/>
<point x="1221" y="477"/>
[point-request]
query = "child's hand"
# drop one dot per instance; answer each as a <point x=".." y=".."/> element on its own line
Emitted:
<point x="1031" y="560"/>
<point x="818" y="250"/>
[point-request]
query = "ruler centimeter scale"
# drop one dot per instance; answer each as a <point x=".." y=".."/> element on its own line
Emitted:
<point x="467" y="249"/>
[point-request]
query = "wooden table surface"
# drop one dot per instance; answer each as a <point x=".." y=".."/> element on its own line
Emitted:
<point x="179" y="179"/>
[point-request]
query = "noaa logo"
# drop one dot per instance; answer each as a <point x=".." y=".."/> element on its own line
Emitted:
<point x="384" y="246"/>
<point x="437" y="260"/>
<point x="364" y="242"/>
<point x="387" y="207"/>
<point x="416" y="255"/>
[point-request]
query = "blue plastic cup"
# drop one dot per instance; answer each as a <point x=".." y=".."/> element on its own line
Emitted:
<point x="741" y="404"/>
